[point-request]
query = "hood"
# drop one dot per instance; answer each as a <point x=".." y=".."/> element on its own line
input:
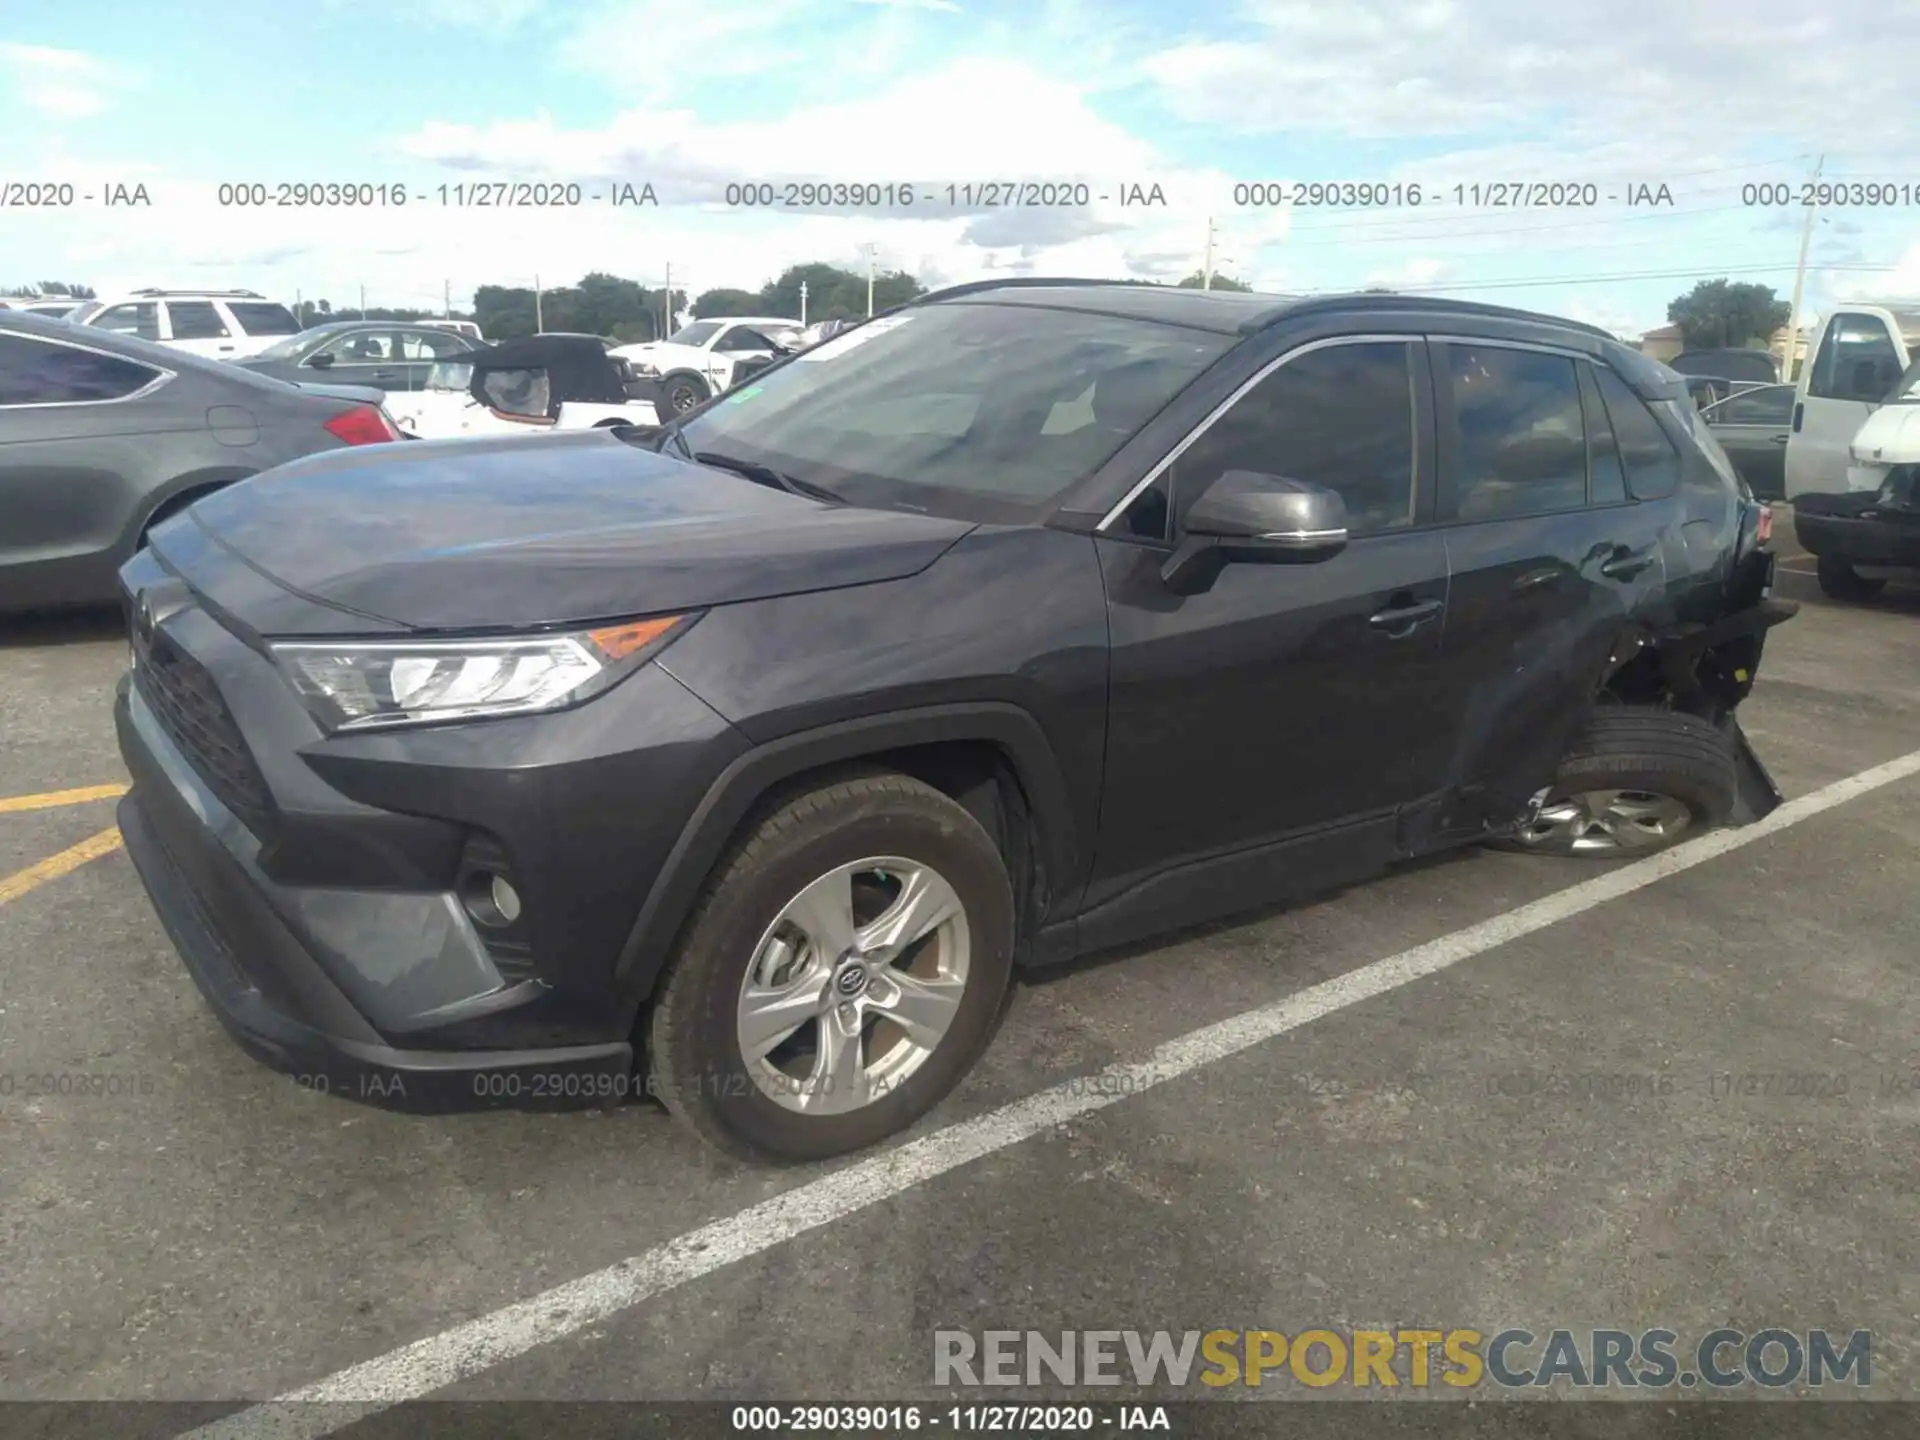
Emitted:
<point x="520" y="532"/>
<point x="1891" y="435"/>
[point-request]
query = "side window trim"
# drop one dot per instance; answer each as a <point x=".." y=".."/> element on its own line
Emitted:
<point x="1447" y="417"/>
<point x="160" y="377"/>
<point x="1109" y="520"/>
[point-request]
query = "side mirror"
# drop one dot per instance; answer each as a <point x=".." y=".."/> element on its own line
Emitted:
<point x="1249" y="517"/>
<point x="321" y="361"/>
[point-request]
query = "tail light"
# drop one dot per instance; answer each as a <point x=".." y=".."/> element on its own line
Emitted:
<point x="1765" y="531"/>
<point x="363" y="425"/>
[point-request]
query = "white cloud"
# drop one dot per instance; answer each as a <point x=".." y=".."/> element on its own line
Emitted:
<point x="1587" y="70"/>
<point x="61" y="84"/>
<point x="945" y="6"/>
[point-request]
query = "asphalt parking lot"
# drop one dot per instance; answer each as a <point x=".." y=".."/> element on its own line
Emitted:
<point x="185" y="1224"/>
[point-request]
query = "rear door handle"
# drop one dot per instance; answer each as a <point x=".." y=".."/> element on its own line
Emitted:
<point x="1537" y="579"/>
<point x="1401" y="620"/>
<point x="1780" y="439"/>
<point x="1626" y="563"/>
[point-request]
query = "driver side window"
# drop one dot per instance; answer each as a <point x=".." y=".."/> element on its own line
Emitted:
<point x="1341" y="416"/>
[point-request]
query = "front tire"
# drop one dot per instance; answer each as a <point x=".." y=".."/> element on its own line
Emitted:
<point x="1841" y="581"/>
<point x="843" y="969"/>
<point x="1638" y="781"/>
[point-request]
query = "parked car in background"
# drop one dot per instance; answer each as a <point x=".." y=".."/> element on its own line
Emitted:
<point x="103" y="436"/>
<point x="1757" y="367"/>
<point x="226" y="324"/>
<point x="53" y="309"/>
<point x="524" y="386"/>
<point x="1858" y="355"/>
<point x="459" y="327"/>
<point x="700" y="360"/>
<point x="1871" y="532"/>
<point x="1708" y="390"/>
<point x="1752" y="426"/>
<point x="381" y="354"/>
<point x="1023" y="621"/>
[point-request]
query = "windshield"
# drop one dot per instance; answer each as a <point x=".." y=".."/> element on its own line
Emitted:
<point x="697" y="333"/>
<point x="1005" y="404"/>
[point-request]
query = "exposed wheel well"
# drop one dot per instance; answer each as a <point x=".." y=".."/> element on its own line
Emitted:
<point x="982" y="777"/>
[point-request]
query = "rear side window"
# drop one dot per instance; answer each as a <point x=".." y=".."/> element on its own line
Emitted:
<point x="1521" y="439"/>
<point x="38" y="372"/>
<point x="1651" y="461"/>
<point x="195" y="320"/>
<point x="1606" y="475"/>
<point x="257" y="317"/>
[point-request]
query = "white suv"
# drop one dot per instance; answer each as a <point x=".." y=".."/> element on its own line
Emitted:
<point x="221" y="324"/>
<point x="698" y="360"/>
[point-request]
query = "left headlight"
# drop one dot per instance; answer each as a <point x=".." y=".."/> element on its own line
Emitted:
<point x="369" y="684"/>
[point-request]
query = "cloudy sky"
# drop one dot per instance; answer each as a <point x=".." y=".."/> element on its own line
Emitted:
<point x="1717" y="100"/>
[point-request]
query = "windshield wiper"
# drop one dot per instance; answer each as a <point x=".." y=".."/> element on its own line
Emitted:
<point x="767" y="475"/>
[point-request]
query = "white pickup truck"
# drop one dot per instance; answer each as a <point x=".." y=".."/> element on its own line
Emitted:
<point x="1858" y="357"/>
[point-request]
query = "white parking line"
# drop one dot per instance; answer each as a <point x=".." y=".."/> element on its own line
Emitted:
<point x="428" y="1365"/>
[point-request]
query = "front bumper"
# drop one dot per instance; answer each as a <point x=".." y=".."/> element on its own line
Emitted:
<point x="268" y="988"/>
<point x="314" y="884"/>
<point x="1857" y="529"/>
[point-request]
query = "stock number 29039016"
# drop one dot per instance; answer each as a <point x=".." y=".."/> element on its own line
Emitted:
<point x="843" y="1419"/>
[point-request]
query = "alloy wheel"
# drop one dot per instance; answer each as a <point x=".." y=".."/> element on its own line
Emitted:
<point x="1592" y="821"/>
<point x="854" y="985"/>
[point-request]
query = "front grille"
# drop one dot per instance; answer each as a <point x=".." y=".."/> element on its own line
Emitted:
<point x="189" y="707"/>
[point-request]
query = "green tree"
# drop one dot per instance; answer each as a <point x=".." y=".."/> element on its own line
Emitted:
<point x="1198" y="281"/>
<point x="714" y="304"/>
<point x="1721" y="313"/>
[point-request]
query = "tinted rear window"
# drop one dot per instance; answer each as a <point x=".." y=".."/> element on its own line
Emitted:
<point x="260" y="318"/>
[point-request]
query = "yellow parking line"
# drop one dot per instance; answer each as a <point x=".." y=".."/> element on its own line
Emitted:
<point x="54" y="866"/>
<point x="48" y="799"/>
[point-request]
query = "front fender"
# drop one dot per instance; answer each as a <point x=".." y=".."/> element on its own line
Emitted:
<point x="758" y="771"/>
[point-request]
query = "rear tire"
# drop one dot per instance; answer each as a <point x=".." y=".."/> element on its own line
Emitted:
<point x="749" y="962"/>
<point x="684" y="392"/>
<point x="1638" y="781"/>
<point x="1841" y="581"/>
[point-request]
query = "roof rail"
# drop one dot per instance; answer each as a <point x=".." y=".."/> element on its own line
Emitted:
<point x="221" y="294"/>
<point x="1374" y="300"/>
<point x="1012" y="282"/>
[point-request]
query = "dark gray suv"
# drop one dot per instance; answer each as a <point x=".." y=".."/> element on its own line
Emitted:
<point x="104" y="435"/>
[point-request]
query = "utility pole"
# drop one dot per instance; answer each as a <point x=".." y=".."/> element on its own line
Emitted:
<point x="1206" y="271"/>
<point x="446" y="299"/>
<point x="803" y="304"/>
<point x="1792" y="346"/>
<point x="666" y="305"/>
<point x="300" y="308"/>
<point x="870" y="248"/>
<point x="363" y="302"/>
<point x="539" y="324"/>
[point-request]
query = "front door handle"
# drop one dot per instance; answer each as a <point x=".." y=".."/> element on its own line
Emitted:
<point x="1626" y="563"/>
<point x="1780" y="439"/>
<point x="1536" y="579"/>
<point x="1403" y="619"/>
